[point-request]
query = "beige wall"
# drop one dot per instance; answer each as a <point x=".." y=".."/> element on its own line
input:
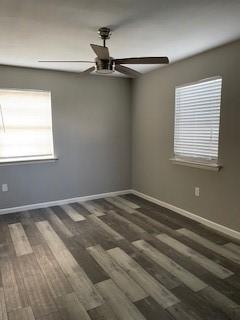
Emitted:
<point x="91" y="128"/>
<point x="152" y="135"/>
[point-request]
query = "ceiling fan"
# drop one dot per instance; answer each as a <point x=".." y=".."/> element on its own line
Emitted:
<point x="105" y="64"/>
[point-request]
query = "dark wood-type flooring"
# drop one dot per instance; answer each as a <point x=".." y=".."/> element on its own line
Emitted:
<point x="120" y="258"/>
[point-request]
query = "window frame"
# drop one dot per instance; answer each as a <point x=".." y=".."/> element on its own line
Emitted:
<point x="198" y="162"/>
<point x="32" y="159"/>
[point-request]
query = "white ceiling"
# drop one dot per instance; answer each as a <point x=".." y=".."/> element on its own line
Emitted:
<point x="63" y="29"/>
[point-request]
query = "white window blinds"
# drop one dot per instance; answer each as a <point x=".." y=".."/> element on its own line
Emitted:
<point x="197" y="118"/>
<point x="25" y="125"/>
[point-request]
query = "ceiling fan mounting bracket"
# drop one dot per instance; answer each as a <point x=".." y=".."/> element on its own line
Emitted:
<point x="104" y="34"/>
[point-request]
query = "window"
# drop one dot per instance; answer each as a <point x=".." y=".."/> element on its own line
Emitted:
<point x="197" y="119"/>
<point x="25" y="125"/>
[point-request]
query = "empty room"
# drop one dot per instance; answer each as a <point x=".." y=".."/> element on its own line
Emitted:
<point x="119" y="160"/>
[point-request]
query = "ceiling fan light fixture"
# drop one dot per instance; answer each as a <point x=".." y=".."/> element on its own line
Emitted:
<point x="104" y="66"/>
<point x="105" y="71"/>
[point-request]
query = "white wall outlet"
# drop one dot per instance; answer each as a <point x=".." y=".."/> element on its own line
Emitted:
<point x="197" y="191"/>
<point x="4" y="187"/>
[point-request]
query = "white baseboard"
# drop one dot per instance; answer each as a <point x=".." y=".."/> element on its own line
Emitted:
<point x="61" y="202"/>
<point x="218" y="227"/>
<point x="206" y="222"/>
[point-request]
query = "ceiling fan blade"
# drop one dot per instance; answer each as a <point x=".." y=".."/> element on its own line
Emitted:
<point x="101" y="52"/>
<point x="127" y="71"/>
<point x="74" y="61"/>
<point x="89" y="70"/>
<point x="143" y="60"/>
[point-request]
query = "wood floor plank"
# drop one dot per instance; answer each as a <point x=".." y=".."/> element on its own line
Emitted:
<point x="122" y="227"/>
<point x="182" y="260"/>
<point x="11" y="292"/>
<point x="80" y="209"/>
<point x="92" y="208"/>
<point x="118" y="301"/>
<point x="219" y="300"/>
<point x="120" y="205"/>
<point x="182" y="274"/>
<point x="211" y="245"/>
<point x="36" y="287"/>
<point x="154" y="269"/>
<point x="20" y="240"/>
<point x="139" y="221"/>
<point x="224" y="286"/>
<point x="105" y="205"/>
<point x="33" y="235"/>
<point x="181" y="312"/>
<point x="53" y="316"/>
<point x="130" y="224"/>
<point x="4" y="241"/>
<point x="117" y="274"/>
<point x="128" y="203"/>
<point x="157" y="291"/>
<point x="130" y="217"/>
<point x="229" y="264"/>
<point x="58" y="224"/>
<point x="21" y="314"/>
<point x="89" y="234"/>
<point x="105" y="227"/>
<point x="195" y="304"/>
<point x="72" y="213"/>
<point x="99" y="203"/>
<point x="37" y="214"/>
<point x="3" y="309"/>
<point x="20" y="283"/>
<point x="160" y="216"/>
<point x="152" y="310"/>
<point x="103" y="312"/>
<point x="233" y="247"/>
<point x="75" y="274"/>
<point x="179" y="258"/>
<point x="54" y="275"/>
<point x="188" y="264"/>
<point x="72" y="226"/>
<point x="206" y="263"/>
<point x="85" y="260"/>
<point x="158" y="225"/>
<point x="72" y="308"/>
<point x="234" y="282"/>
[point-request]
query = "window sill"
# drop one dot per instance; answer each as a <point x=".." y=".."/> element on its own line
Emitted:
<point x="195" y="164"/>
<point x="11" y="162"/>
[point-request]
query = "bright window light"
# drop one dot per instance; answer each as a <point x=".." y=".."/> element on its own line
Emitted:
<point x="197" y="119"/>
<point x="25" y="125"/>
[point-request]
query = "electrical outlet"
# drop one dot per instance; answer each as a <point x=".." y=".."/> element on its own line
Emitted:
<point x="197" y="191"/>
<point x="4" y="187"/>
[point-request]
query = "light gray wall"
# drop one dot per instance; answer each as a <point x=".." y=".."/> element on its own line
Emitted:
<point x="153" y="129"/>
<point x="91" y="123"/>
